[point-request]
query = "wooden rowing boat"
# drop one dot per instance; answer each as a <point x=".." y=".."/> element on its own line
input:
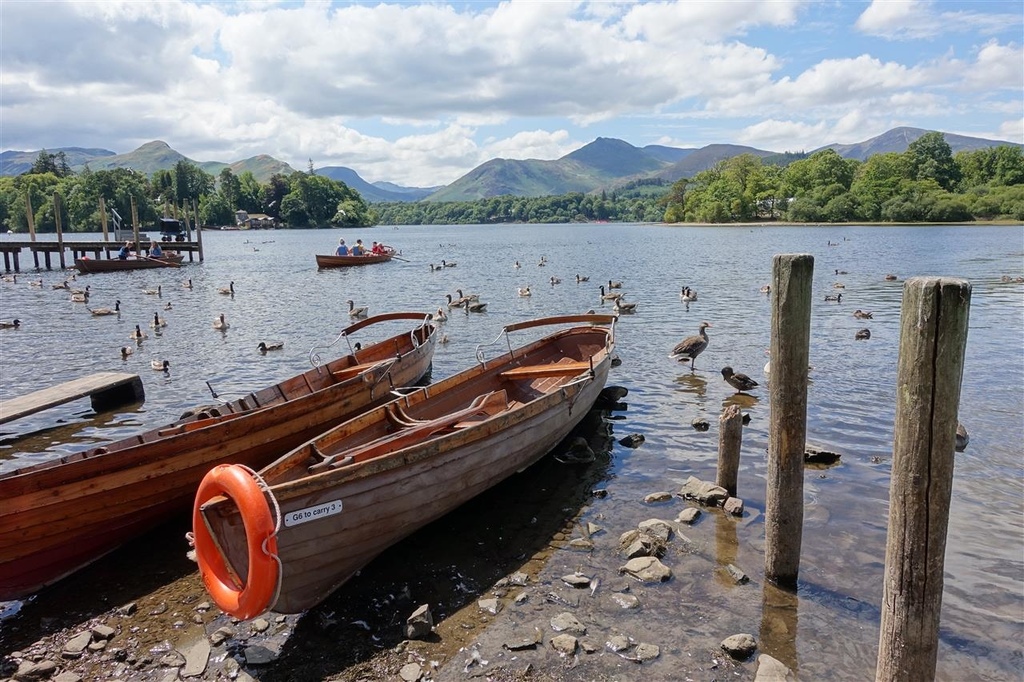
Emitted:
<point x="60" y="515"/>
<point x="323" y="261"/>
<point x="344" y="497"/>
<point x="92" y="265"/>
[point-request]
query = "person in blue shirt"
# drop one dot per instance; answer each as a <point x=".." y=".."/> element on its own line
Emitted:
<point x="155" y="251"/>
<point x="358" y="249"/>
<point x="342" y="250"/>
<point x="125" y="251"/>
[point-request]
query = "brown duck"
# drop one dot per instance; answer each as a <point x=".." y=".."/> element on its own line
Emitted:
<point x="741" y="382"/>
<point x="692" y="346"/>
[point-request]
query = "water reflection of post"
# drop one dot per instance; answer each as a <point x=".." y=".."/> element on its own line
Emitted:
<point x="725" y="547"/>
<point x="779" y="624"/>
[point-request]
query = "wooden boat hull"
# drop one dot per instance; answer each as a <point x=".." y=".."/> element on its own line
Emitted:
<point x="93" y="265"/>
<point x="60" y="515"/>
<point x="323" y="261"/>
<point x="396" y="482"/>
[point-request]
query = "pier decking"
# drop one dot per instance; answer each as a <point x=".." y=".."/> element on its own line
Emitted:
<point x="98" y="249"/>
<point x="106" y="389"/>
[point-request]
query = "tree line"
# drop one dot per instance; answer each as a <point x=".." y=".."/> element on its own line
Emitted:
<point x="638" y="201"/>
<point x="301" y="199"/>
<point x="926" y="183"/>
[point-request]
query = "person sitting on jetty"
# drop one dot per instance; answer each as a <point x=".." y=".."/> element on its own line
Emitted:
<point x="154" y="250"/>
<point x="359" y="249"/>
<point x="342" y="250"/>
<point x="125" y="251"/>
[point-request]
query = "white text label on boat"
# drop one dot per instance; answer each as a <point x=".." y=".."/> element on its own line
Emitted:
<point x="294" y="518"/>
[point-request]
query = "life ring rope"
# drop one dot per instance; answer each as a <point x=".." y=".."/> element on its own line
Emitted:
<point x="250" y="493"/>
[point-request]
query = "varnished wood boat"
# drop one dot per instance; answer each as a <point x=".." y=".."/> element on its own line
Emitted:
<point x="344" y="497"/>
<point x="323" y="261"/>
<point x="91" y="265"/>
<point x="60" y="515"/>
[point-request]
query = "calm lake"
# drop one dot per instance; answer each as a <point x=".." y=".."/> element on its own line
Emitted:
<point x="833" y="622"/>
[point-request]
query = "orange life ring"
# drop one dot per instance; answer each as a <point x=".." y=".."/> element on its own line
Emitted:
<point x="253" y="598"/>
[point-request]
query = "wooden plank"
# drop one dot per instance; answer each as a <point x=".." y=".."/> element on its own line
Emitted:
<point x="103" y="387"/>
<point x="553" y="370"/>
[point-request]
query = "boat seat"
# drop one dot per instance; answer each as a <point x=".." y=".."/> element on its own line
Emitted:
<point x="560" y="369"/>
<point x="346" y="373"/>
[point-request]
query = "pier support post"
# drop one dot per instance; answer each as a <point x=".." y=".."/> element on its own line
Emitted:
<point x="730" y="436"/>
<point x="933" y="337"/>
<point x="787" y="429"/>
<point x="57" y="209"/>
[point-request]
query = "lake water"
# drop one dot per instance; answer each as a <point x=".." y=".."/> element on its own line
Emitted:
<point x="280" y="295"/>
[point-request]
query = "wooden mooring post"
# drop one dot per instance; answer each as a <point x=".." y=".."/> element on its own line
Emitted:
<point x="933" y="337"/>
<point x="787" y="427"/>
<point x="730" y="437"/>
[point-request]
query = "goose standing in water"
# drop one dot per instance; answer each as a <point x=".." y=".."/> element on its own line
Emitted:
<point x="98" y="312"/>
<point x="229" y="290"/>
<point x="138" y="334"/>
<point x="221" y="323"/>
<point x="609" y="297"/>
<point x="741" y="382"/>
<point x="158" y="321"/>
<point x="692" y="346"/>
<point x="354" y="311"/>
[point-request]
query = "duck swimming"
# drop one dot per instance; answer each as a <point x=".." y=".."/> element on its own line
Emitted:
<point x="609" y="297"/>
<point x="862" y="314"/>
<point x="525" y="291"/>
<point x="160" y="365"/>
<point x="229" y="290"/>
<point x="138" y="334"/>
<point x="158" y="321"/>
<point x="272" y="345"/>
<point x="221" y="323"/>
<point x="13" y="324"/>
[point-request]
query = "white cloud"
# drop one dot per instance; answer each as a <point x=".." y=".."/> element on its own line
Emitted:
<point x="918" y="19"/>
<point x="422" y="93"/>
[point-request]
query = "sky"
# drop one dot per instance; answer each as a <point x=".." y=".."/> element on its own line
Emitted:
<point x="420" y="93"/>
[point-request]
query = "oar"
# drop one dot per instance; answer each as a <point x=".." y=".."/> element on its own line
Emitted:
<point x="404" y="260"/>
<point x="168" y="263"/>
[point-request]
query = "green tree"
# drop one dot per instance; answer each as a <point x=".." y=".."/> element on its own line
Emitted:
<point x="230" y="189"/>
<point x="931" y="158"/>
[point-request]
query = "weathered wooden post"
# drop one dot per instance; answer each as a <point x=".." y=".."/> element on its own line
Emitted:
<point x="199" y="232"/>
<point x="787" y="428"/>
<point x="103" y="218"/>
<point x="30" y="218"/>
<point x="60" y="233"/>
<point x="933" y="336"/>
<point x="135" y="224"/>
<point x="730" y="436"/>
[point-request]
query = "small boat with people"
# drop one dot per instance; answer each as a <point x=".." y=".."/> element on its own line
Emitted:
<point x="60" y="515"/>
<point x="285" y="537"/>
<point x="94" y="265"/>
<point x="381" y="254"/>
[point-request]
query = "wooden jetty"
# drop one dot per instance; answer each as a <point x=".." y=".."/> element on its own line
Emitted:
<point x="12" y="249"/>
<point x="106" y="390"/>
<point x="97" y="249"/>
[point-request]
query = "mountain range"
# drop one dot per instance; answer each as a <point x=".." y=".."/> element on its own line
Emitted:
<point x="602" y="164"/>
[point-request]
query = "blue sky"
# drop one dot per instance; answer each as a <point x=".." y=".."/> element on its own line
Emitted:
<point x="421" y="93"/>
